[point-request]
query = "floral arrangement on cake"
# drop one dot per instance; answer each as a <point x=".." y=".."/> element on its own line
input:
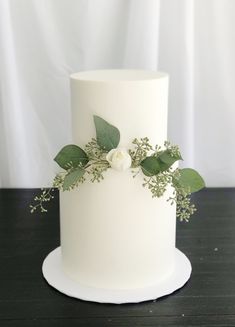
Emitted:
<point x="102" y="153"/>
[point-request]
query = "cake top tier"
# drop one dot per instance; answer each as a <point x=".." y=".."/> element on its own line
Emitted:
<point x="135" y="101"/>
<point x="118" y="75"/>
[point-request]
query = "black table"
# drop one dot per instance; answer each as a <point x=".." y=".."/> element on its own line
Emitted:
<point x="208" y="299"/>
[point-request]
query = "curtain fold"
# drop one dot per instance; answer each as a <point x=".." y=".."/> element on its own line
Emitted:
<point x="43" y="41"/>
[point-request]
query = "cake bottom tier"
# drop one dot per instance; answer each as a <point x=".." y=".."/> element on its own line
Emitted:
<point x="114" y="235"/>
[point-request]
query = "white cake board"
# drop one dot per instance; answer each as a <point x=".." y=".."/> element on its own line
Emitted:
<point x="54" y="275"/>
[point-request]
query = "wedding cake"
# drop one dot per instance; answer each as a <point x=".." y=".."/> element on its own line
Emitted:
<point x="113" y="234"/>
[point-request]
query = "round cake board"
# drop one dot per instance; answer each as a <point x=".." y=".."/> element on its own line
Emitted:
<point x="55" y="276"/>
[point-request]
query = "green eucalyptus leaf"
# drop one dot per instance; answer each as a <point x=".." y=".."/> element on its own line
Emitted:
<point x="73" y="177"/>
<point x="191" y="179"/>
<point x="71" y="154"/>
<point x="167" y="160"/>
<point x="107" y="136"/>
<point x="150" y="166"/>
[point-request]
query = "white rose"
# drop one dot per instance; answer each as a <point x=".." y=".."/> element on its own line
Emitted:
<point x="119" y="159"/>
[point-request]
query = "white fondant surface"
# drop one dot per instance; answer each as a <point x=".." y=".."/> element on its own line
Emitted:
<point x="137" y="105"/>
<point x="53" y="272"/>
<point x="113" y="234"/>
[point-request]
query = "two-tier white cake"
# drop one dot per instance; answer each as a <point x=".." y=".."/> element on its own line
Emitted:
<point x="113" y="234"/>
<point x="117" y="242"/>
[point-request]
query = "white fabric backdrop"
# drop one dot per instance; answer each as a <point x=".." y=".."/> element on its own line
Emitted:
<point x="43" y="41"/>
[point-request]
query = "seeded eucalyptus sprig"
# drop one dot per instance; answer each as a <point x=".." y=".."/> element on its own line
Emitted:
<point x="45" y="196"/>
<point x="156" y="165"/>
<point x="139" y="153"/>
<point x="101" y="153"/>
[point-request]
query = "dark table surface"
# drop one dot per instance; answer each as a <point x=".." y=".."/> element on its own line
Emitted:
<point x="208" y="299"/>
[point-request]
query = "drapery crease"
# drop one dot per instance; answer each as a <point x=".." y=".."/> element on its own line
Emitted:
<point x="43" y="41"/>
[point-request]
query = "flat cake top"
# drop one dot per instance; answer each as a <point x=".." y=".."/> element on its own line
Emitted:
<point x="118" y="75"/>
